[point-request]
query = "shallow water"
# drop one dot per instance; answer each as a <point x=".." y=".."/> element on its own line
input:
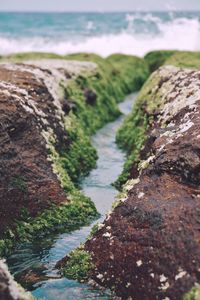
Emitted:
<point x="42" y="255"/>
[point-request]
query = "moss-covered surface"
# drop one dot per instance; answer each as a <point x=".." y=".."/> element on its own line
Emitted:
<point x="63" y="218"/>
<point x="131" y="137"/>
<point x="116" y="76"/>
<point x="78" y="266"/>
<point x="131" y="71"/>
<point x="156" y="59"/>
<point x="185" y="59"/>
<point x="132" y="134"/>
<point x="194" y="294"/>
<point x="123" y="73"/>
<point x="80" y="156"/>
<point x="18" y="57"/>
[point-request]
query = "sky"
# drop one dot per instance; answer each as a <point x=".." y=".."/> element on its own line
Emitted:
<point x="98" y="5"/>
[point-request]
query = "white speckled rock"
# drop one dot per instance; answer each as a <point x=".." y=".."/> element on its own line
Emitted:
<point x="9" y="289"/>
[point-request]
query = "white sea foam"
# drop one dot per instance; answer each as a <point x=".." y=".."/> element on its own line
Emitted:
<point x="180" y="33"/>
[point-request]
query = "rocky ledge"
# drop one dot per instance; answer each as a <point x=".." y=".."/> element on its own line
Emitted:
<point x="35" y="135"/>
<point x="149" y="245"/>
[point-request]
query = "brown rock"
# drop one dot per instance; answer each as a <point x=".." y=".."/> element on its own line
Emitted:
<point x="149" y="247"/>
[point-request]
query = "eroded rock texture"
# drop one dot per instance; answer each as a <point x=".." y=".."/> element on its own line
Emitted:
<point x="31" y="121"/>
<point x="149" y="247"/>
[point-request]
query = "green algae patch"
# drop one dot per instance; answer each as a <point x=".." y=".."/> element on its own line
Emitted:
<point x="78" y="265"/>
<point x="132" y="135"/>
<point x="57" y="219"/>
<point x="131" y="138"/>
<point x="19" y="57"/>
<point x="190" y="60"/>
<point x="94" y="103"/>
<point x="80" y="156"/>
<point x="131" y="71"/>
<point x="124" y="73"/>
<point x="156" y="59"/>
<point x="194" y="294"/>
<point x="182" y="59"/>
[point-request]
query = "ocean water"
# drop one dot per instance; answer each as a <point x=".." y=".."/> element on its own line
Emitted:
<point x="101" y="33"/>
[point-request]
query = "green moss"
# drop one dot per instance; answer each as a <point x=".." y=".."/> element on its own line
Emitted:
<point x="78" y="265"/>
<point x="80" y="156"/>
<point x="124" y="73"/>
<point x="131" y="137"/>
<point x="94" y="230"/>
<point x="131" y="71"/>
<point x="155" y="59"/>
<point x="93" y="117"/>
<point x="66" y="217"/>
<point x="194" y="294"/>
<point x="17" y="57"/>
<point x="183" y="59"/>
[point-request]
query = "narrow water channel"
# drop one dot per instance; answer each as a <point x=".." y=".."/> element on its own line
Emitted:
<point x="43" y="254"/>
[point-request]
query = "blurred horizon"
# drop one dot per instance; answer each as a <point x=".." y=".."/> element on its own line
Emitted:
<point x="99" y="5"/>
<point x="135" y="33"/>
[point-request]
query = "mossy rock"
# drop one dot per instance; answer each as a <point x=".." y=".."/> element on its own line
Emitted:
<point x="78" y="265"/>
<point x="57" y="219"/>
<point x="18" y="57"/>
<point x="190" y="60"/>
<point x="131" y="70"/>
<point x="156" y="59"/>
<point x="183" y="59"/>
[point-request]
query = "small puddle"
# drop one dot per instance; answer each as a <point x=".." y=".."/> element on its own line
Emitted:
<point x="41" y="256"/>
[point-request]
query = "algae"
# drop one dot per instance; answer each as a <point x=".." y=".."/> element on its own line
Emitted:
<point x="79" y="263"/>
<point x="66" y="217"/>
<point x="156" y="59"/>
<point x="184" y="59"/>
<point x="130" y="70"/>
<point x="194" y="294"/>
<point x="131" y="137"/>
<point x="19" y="57"/>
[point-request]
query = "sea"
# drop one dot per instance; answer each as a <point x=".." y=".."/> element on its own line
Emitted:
<point x="102" y="33"/>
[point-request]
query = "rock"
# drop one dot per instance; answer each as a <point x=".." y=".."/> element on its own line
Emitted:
<point x="149" y="247"/>
<point x="90" y="96"/>
<point x="25" y="125"/>
<point x="9" y="289"/>
<point x="68" y="106"/>
<point x="32" y="130"/>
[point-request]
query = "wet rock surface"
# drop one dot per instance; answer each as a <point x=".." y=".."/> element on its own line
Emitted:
<point x="149" y="246"/>
<point x="32" y="117"/>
